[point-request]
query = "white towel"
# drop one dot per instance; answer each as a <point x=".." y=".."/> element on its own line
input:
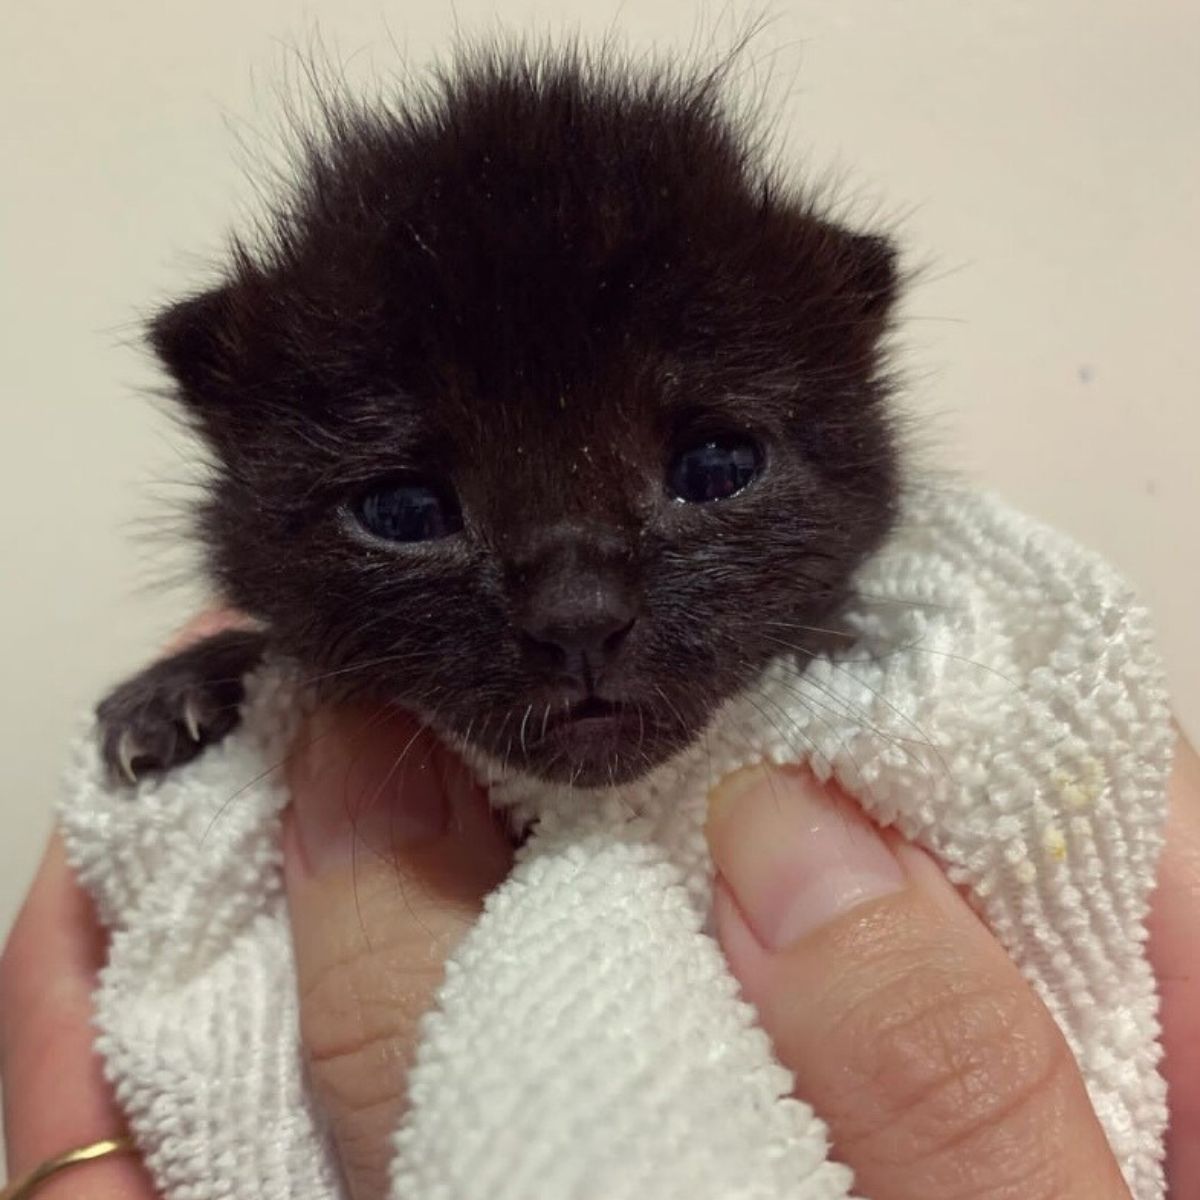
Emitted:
<point x="1003" y="706"/>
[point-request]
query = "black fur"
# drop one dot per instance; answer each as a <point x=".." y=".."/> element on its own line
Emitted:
<point x="532" y="285"/>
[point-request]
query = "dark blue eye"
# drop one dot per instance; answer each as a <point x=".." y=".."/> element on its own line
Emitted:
<point x="407" y="512"/>
<point x="714" y="469"/>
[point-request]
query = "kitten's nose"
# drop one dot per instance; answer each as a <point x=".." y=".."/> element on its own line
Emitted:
<point x="577" y="624"/>
<point x="576" y="596"/>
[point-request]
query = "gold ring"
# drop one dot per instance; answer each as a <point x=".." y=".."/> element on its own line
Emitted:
<point x="26" y="1186"/>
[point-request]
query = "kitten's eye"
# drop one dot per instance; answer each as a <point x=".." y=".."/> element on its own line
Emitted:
<point x="407" y="512"/>
<point x="714" y="469"/>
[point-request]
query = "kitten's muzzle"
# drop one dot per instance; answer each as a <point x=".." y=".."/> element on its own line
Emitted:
<point x="578" y="655"/>
<point x="575" y="598"/>
<point x="574" y="628"/>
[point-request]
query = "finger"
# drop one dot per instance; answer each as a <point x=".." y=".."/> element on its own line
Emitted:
<point x="55" y="1096"/>
<point x="389" y="855"/>
<point x="1174" y="941"/>
<point x="907" y="1027"/>
<point x="204" y="625"/>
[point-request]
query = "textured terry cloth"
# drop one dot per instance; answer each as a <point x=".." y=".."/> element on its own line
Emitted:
<point x="1002" y="705"/>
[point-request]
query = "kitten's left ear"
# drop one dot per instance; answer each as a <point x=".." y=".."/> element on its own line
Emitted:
<point x="199" y="342"/>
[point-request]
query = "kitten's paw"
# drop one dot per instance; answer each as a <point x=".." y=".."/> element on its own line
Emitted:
<point x="164" y="716"/>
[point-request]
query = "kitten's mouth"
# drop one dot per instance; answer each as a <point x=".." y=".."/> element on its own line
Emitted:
<point x="592" y="713"/>
<point x="596" y="742"/>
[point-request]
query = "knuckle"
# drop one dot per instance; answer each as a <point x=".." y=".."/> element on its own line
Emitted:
<point x="13" y="951"/>
<point x="5" y="978"/>
<point x="5" y="1010"/>
<point x="18" y="999"/>
<point x="961" y="1078"/>
<point x="358" y="1020"/>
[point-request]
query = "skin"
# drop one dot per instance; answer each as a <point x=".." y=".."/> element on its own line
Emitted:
<point x="973" y="1095"/>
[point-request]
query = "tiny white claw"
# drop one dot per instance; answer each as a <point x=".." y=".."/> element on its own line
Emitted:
<point x="191" y="718"/>
<point x="127" y="751"/>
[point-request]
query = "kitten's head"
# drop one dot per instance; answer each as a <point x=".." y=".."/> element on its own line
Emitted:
<point x="546" y="412"/>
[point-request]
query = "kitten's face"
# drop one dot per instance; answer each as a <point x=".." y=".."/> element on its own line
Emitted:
<point x="557" y="449"/>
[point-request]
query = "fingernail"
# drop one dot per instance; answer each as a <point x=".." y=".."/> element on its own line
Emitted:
<point x="795" y="855"/>
<point x="361" y="787"/>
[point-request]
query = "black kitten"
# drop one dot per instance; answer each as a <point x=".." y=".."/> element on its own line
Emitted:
<point x="546" y="412"/>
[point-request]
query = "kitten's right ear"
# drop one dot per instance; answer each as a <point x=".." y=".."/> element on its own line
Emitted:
<point x="197" y="341"/>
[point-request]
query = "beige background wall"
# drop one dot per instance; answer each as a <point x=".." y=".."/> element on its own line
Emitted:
<point x="1041" y="156"/>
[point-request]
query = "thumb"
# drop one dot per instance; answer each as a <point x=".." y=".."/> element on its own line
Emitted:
<point x="940" y="1073"/>
<point x="389" y="850"/>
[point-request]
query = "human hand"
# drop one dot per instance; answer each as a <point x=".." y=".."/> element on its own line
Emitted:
<point x="55" y="1096"/>
<point x="389" y="852"/>
<point x="939" y="1072"/>
<point x="388" y="860"/>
